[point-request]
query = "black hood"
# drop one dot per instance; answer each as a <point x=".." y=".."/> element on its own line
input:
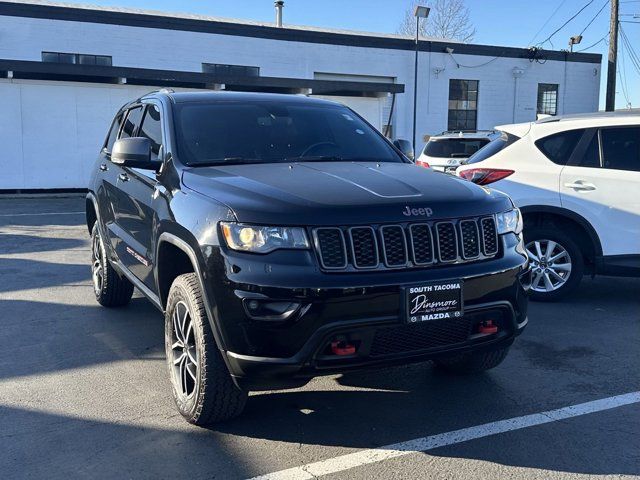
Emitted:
<point x="341" y="193"/>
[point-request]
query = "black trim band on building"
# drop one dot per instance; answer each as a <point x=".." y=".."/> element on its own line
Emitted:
<point x="143" y="76"/>
<point x="149" y="20"/>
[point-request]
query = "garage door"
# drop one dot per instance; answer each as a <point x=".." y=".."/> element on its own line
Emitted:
<point x="369" y="108"/>
<point x="53" y="131"/>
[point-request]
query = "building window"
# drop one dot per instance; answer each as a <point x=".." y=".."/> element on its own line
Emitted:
<point x="225" y="70"/>
<point x="463" y="105"/>
<point x="77" y="58"/>
<point x="547" y="98"/>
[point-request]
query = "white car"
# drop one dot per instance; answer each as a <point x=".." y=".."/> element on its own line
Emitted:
<point x="449" y="150"/>
<point x="576" y="180"/>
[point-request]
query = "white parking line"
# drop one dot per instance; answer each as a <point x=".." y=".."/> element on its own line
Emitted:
<point x="39" y="214"/>
<point x="365" y="457"/>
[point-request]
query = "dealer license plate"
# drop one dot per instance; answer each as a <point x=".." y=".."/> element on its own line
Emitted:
<point x="433" y="301"/>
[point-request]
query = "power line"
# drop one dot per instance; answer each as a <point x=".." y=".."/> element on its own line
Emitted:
<point x="635" y="60"/>
<point x="594" y="44"/>
<point x="472" y="66"/>
<point x="595" y="16"/>
<point x="547" y="21"/>
<point x="566" y="23"/>
<point x="623" y="74"/>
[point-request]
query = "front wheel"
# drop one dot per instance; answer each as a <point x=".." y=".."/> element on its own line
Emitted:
<point x="557" y="263"/>
<point x="203" y="389"/>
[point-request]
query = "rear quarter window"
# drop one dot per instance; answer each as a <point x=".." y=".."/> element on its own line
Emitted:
<point x="559" y="146"/>
<point x="492" y="148"/>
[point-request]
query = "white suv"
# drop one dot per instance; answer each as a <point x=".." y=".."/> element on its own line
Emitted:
<point x="576" y="180"/>
<point x="449" y="150"/>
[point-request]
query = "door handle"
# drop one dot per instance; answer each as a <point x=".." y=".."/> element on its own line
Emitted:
<point x="103" y="167"/>
<point x="124" y="177"/>
<point x="581" y="186"/>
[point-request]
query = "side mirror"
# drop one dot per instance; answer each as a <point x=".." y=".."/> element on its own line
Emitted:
<point x="133" y="152"/>
<point x="405" y="147"/>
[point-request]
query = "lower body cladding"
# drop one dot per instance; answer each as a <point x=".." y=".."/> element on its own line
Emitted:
<point x="334" y="330"/>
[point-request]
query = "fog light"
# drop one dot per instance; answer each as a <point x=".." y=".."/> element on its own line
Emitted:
<point x="270" y="310"/>
<point x="253" y="304"/>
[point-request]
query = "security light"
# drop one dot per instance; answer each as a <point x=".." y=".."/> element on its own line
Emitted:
<point x="421" y="12"/>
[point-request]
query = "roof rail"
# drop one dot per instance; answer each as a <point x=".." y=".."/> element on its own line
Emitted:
<point x="160" y="90"/>
<point x="451" y="132"/>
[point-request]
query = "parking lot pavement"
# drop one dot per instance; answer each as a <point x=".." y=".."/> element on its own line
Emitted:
<point x="84" y="390"/>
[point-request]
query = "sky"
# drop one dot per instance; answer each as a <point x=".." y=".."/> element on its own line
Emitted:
<point x="517" y="23"/>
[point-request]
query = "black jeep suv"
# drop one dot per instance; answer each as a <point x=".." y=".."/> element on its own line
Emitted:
<point x="284" y="238"/>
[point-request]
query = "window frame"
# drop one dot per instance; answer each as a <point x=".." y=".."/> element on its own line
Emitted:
<point x="539" y="98"/>
<point x="475" y="110"/>
<point x="573" y="155"/>
<point x="146" y="107"/>
<point x="76" y="58"/>
<point x="601" y="146"/>
<point x="120" y="115"/>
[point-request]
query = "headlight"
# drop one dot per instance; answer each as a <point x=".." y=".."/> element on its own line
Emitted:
<point x="510" y="221"/>
<point x="258" y="239"/>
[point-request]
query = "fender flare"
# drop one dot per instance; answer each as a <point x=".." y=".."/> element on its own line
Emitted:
<point x="91" y="197"/>
<point x="189" y="251"/>
<point x="571" y="215"/>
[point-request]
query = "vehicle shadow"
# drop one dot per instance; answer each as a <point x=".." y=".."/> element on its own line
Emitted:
<point x="49" y="337"/>
<point x="55" y="446"/>
<point x="18" y="274"/>
<point x="11" y="243"/>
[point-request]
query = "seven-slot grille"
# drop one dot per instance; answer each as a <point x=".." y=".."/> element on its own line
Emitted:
<point x="406" y="246"/>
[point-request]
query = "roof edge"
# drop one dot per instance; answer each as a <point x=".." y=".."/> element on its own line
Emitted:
<point x="86" y="14"/>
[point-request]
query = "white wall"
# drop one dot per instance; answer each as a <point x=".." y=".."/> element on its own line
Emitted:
<point x="74" y="109"/>
<point x="51" y="132"/>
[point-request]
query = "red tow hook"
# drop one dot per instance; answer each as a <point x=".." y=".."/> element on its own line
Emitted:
<point x="487" y="327"/>
<point x="342" y="348"/>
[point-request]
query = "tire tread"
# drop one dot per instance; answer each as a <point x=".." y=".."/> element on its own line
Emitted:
<point x="219" y="398"/>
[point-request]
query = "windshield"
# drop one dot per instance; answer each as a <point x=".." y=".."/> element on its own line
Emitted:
<point x="454" y="147"/>
<point x="265" y="131"/>
<point x="492" y="148"/>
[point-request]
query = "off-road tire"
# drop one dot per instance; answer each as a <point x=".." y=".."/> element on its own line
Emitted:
<point x="112" y="289"/>
<point x="473" y="362"/>
<point x="215" y="397"/>
<point x="577" y="261"/>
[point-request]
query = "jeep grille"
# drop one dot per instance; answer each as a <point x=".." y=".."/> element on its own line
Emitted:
<point x="411" y="245"/>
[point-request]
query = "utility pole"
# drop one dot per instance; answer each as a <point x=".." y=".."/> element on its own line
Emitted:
<point x="420" y="12"/>
<point x="610" y="102"/>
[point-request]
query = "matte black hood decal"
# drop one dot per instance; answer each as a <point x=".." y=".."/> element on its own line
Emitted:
<point x="340" y="193"/>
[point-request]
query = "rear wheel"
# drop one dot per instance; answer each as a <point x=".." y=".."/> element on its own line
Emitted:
<point x="556" y="261"/>
<point x="203" y="389"/>
<point x="111" y="289"/>
<point x="473" y="362"/>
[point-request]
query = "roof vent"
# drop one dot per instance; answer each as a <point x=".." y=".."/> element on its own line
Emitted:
<point x="279" y="4"/>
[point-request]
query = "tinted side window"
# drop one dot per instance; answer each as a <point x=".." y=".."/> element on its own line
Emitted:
<point x="591" y="156"/>
<point x="559" y="146"/>
<point x="113" y="133"/>
<point x="151" y="128"/>
<point x="131" y="123"/>
<point x="621" y="148"/>
<point x="492" y="148"/>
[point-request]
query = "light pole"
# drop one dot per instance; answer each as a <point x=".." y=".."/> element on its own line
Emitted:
<point x="420" y="12"/>
<point x="574" y="41"/>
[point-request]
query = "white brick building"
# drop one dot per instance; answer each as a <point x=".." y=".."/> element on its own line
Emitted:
<point x="65" y="70"/>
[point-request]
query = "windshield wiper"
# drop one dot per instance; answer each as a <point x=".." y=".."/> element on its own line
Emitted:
<point x="316" y="158"/>
<point x="226" y="161"/>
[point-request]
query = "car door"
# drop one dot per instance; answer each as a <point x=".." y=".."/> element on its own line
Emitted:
<point x="107" y="175"/>
<point x="134" y="215"/>
<point x="603" y="185"/>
